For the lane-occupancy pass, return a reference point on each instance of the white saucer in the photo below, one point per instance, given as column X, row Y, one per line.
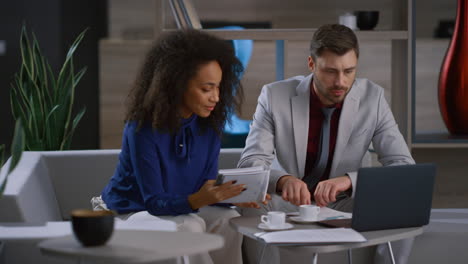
column 298, row 219
column 275, row 228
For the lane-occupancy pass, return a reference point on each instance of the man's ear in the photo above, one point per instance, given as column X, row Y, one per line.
column 311, row 63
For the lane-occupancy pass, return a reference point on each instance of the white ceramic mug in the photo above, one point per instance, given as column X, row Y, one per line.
column 309, row 212
column 348, row 20
column 274, row 219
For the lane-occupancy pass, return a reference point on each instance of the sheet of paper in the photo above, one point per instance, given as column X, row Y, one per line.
column 329, row 235
column 237, row 171
column 256, row 180
column 328, row 213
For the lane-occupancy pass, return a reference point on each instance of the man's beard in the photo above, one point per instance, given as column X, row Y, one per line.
column 325, row 92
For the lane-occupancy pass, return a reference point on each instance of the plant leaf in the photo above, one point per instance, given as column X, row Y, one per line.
column 70, row 54
column 16, row 108
column 2, row 161
column 2, row 187
column 42, row 101
column 78, row 76
column 69, row 134
column 17, row 146
column 78, row 118
column 2, row 155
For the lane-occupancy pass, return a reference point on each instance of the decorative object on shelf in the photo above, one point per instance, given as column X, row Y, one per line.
column 453, row 78
column 45, row 103
column 348, row 20
column 367, row 20
column 17, row 146
column 444, row 29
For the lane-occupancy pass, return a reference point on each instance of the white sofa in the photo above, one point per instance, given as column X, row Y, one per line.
column 46, row 186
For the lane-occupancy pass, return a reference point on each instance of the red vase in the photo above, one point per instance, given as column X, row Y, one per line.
column 453, row 79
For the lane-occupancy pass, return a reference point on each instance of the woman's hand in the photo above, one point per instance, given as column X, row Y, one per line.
column 254, row 204
column 211, row 194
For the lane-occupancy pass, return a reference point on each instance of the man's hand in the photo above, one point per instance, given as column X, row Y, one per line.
column 293, row 190
column 327, row 191
column 254, row 204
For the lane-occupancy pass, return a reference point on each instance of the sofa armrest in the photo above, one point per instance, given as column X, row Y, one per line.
column 29, row 195
column 78, row 175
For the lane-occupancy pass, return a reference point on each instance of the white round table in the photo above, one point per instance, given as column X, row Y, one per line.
column 134, row 246
column 248, row 226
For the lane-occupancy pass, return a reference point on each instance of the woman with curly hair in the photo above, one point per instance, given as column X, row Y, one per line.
column 171, row 140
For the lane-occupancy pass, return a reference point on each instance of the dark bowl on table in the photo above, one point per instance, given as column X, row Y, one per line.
column 92, row 228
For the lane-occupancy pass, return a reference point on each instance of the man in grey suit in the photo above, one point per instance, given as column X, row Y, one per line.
column 314, row 131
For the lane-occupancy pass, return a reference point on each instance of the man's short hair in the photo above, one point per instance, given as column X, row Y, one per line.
column 336, row 38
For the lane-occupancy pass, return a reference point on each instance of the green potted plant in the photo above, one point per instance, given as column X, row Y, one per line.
column 42, row 101
column 41, row 104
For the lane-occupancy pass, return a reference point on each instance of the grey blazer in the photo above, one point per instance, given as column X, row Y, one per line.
column 281, row 122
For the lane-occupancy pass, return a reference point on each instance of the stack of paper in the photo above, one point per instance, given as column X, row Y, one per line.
column 329, row 235
column 328, row 213
column 256, row 180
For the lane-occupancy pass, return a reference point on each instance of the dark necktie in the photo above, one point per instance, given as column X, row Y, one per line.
column 324, row 148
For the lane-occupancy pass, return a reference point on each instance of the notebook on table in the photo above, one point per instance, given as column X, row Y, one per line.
column 391, row 197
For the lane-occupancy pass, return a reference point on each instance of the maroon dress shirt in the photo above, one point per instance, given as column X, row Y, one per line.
column 315, row 127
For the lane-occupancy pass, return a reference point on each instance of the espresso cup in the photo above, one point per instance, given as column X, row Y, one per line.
column 309, row 212
column 274, row 219
column 92, row 228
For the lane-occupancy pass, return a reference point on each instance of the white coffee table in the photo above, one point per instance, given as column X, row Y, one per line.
column 248, row 226
column 134, row 246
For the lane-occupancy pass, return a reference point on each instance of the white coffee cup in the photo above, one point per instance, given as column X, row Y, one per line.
column 309, row 212
column 274, row 219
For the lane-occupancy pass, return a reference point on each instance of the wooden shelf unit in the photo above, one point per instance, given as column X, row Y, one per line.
column 402, row 58
column 302, row 34
column 439, row 140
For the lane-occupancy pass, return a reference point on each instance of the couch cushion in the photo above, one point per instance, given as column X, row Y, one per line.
column 77, row 176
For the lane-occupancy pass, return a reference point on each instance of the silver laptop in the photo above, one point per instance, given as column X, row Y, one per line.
column 391, row 197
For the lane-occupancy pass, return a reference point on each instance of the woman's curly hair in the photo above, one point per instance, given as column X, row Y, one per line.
column 171, row 62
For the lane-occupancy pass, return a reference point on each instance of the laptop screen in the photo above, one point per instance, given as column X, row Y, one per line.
column 393, row 197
